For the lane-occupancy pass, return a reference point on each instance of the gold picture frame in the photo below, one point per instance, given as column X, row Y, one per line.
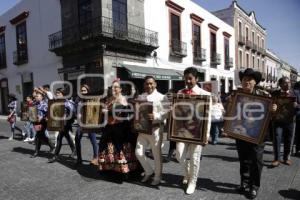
column 141, row 123
column 56, row 111
column 92, row 116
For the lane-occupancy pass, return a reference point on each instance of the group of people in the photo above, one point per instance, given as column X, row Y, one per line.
column 122, row 149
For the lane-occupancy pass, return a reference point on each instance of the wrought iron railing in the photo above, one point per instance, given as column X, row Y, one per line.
column 103, row 26
column 178, row 48
column 20, row 57
column 215, row 59
column 199, row 53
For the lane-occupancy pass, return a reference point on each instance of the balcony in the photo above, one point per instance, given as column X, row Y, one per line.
column 199, row 54
column 178, row 48
column 20, row 57
column 228, row 63
column 248, row 44
column 215, row 59
column 241, row 39
column 103, row 31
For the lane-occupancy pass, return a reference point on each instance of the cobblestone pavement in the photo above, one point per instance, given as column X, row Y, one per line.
column 28, row 178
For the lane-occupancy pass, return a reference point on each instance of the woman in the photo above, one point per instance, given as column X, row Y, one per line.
column 217, row 111
column 85, row 90
column 12, row 117
column 116, row 148
column 29, row 124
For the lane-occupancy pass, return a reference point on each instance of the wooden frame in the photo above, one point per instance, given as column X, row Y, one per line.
column 24, row 112
column 285, row 108
column 92, row 116
column 56, row 112
column 241, row 120
column 189, row 118
column 32, row 114
column 141, row 123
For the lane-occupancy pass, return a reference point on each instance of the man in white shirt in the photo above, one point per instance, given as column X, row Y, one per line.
column 155, row 139
column 187, row 154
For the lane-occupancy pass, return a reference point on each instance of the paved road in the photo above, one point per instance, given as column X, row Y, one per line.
column 22, row 177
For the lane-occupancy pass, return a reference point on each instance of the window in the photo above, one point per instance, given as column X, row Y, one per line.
column 2, row 51
column 119, row 15
column 262, row 43
column 175, row 27
column 196, row 39
column 213, row 46
column 226, row 50
column 247, row 34
column 258, row 41
column 21, row 43
column 253, row 62
column 258, row 64
column 247, row 60
column 241, row 59
column 84, row 11
column 253, row 39
column 240, row 29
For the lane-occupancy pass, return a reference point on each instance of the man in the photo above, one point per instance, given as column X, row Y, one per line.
column 284, row 128
column 189, row 155
column 297, row 132
column 251, row 155
column 155, row 139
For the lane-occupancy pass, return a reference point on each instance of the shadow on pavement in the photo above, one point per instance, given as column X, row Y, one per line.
column 290, row 194
column 31, row 152
column 225, row 158
column 3, row 137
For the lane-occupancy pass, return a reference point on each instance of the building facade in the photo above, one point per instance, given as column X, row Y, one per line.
column 25, row 61
column 188, row 35
column 273, row 65
column 97, row 37
column 250, row 40
column 285, row 69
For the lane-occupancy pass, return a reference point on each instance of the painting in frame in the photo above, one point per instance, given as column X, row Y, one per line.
column 247, row 117
column 24, row 112
column 141, row 123
column 32, row 114
column 56, row 110
column 285, row 108
column 92, row 116
column 189, row 119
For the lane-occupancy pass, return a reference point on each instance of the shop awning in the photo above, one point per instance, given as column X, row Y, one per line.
column 140, row 72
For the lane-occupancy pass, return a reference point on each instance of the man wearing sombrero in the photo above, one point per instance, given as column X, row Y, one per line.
column 251, row 155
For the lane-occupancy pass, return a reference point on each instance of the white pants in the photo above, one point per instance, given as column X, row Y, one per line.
column 188, row 155
column 155, row 141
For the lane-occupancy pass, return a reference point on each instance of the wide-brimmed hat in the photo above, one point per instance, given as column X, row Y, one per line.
column 250, row 72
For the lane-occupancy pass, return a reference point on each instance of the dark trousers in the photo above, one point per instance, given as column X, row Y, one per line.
column 61, row 134
column 251, row 162
column 285, row 131
column 93, row 140
column 40, row 138
column 297, row 135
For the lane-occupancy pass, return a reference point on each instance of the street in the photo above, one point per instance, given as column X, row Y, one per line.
column 28, row 178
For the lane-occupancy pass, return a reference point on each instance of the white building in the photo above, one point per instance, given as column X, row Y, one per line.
column 285, row 70
column 188, row 36
column 272, row 67
column 24, row 57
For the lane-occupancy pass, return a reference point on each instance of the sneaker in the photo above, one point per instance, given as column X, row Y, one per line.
column 191, row 188
column 31, row 140
column 27, row 139
column 185, row 180
column 10, row 138
column 287, row 162
column 23, row 134
column 275, row 163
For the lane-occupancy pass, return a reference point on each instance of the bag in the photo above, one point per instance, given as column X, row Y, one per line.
column 11, row 119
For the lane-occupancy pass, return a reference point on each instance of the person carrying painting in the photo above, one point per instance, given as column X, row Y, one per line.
column 84, row 90
column 29, row 124
column 12, row 116
column 250, row 155
column 69, row 119
column 41, row 125
column 154, row 140
column 187, row 154
column 284, row 127
column 217, row 112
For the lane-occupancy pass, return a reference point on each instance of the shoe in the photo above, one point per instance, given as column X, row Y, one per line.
column 23, row 134
column 53, row 159
column 10, row 138
column 34, row 155
column 94, row 162
column 146, row 178
column 155, row 182
column 275, row 163
column 185, row 180
column 191, row 188
column 287, row 162
column 31, row 140
column 242, row 188
column 27, row 139
column 253, row 193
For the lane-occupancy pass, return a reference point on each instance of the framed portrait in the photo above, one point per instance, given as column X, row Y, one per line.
column 32, row 114
column 141, row 123
column 189, row 119
column 210, row 86
column 56, row 110
column 92, row 116
column 285, row 108
column 247, row 117
column 24, row 112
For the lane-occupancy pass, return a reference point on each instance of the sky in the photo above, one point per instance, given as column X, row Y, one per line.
column 281, row 18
